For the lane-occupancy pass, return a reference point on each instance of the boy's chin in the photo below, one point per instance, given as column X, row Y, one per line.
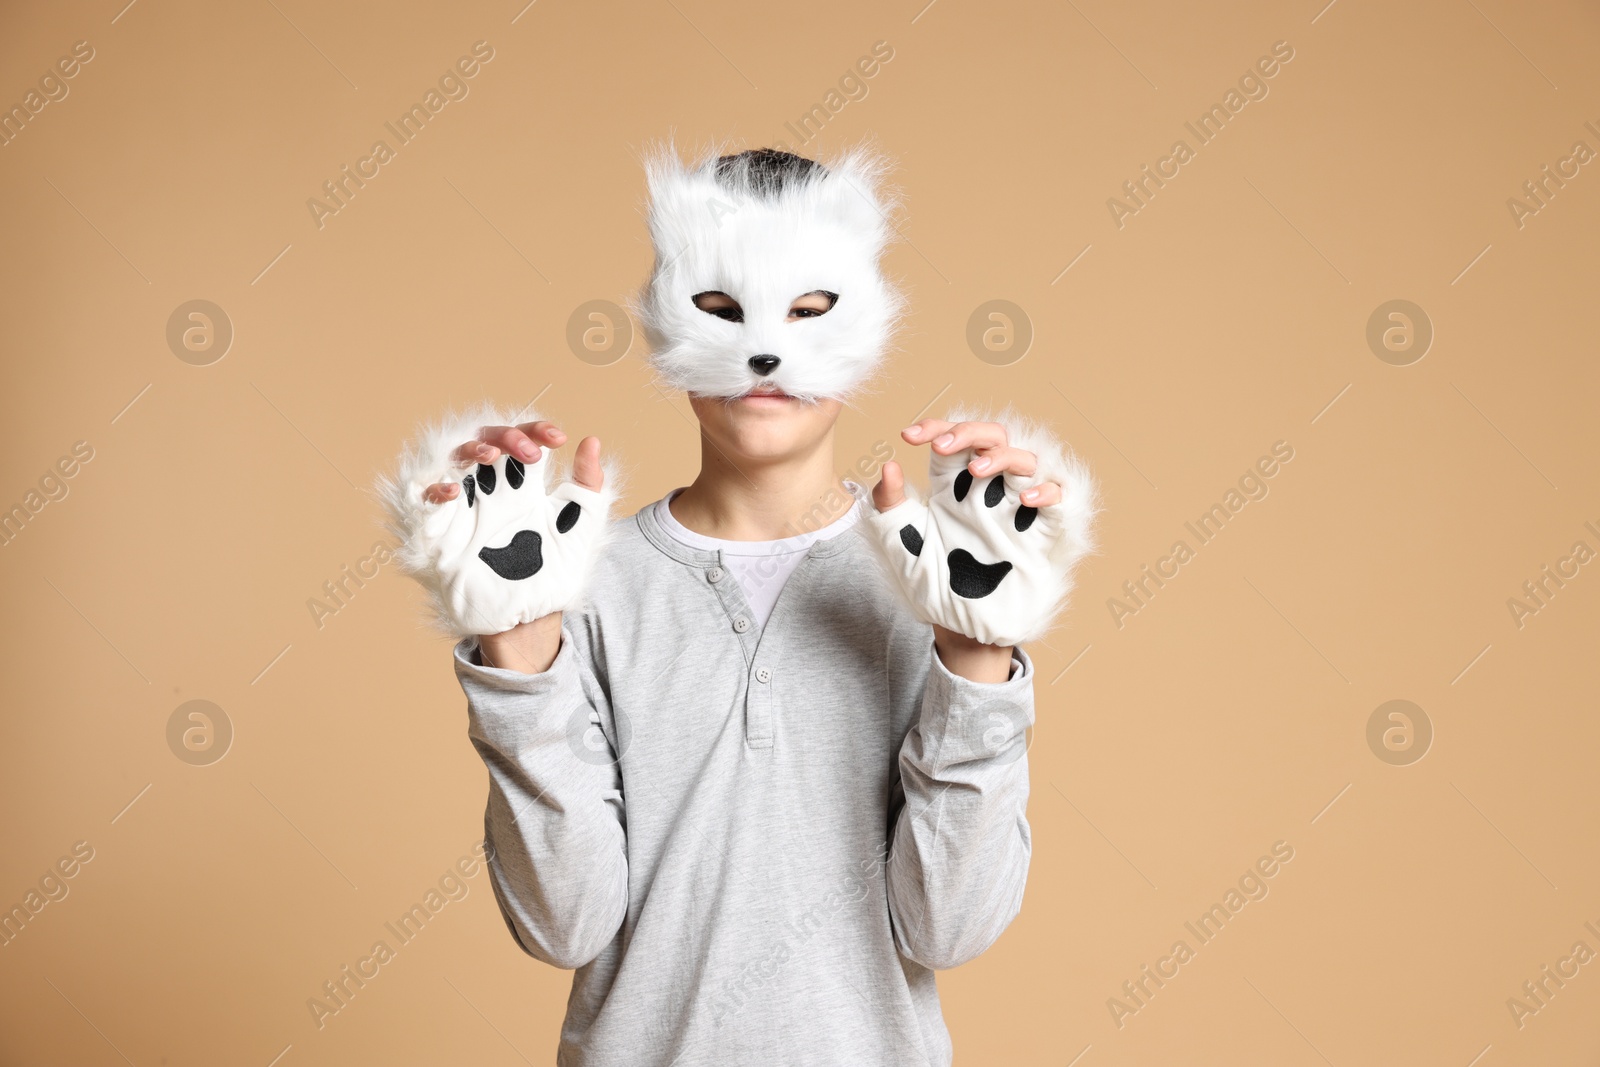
column 767, row 426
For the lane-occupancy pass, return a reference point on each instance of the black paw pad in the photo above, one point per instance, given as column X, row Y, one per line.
column 974, row 580
column 486, row 478
column 963, row 483
column 568, row 517
column 1025, row 517
column 912, row 539
column 514, row 472
column 520, row 559
column 470, row 484
column 995, row 493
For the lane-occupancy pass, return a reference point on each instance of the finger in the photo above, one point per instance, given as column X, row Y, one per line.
column 586, row 469
column 924, row 430
column 544, row 432
column 439, row 492
column 512, row 441
column 959, row 435
column 1042, row 495
column 1018, row 461
column 493, row 440
column 475, row 451
column 891, row 488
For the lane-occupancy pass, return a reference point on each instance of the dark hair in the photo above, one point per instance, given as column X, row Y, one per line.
column 765, row 172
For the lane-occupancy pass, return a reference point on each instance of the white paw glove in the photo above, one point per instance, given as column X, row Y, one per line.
column 515, row 544
column 974, row 558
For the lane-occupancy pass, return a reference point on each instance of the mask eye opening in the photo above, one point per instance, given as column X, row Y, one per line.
column 796, row 311
column 715, row 302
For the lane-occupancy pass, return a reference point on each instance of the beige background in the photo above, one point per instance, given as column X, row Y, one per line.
column 1228, row 314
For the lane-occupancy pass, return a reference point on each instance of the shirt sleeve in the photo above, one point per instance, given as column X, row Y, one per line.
column 958, row 857
column 555, row 822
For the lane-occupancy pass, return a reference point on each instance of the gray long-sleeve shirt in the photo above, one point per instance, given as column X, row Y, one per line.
column 753, row 847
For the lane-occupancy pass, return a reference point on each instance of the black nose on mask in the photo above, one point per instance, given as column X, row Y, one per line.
column 764, row 365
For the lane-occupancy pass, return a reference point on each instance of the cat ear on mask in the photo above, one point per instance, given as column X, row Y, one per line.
column 855, row 195
column 687, row 200
column 682, row 200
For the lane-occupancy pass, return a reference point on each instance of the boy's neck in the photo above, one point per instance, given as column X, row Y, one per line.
column 741, row 499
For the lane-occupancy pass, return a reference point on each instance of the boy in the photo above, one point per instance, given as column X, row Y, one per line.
column 754, row 789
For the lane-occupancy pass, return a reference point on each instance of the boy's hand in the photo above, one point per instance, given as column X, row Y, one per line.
column 990, row 555
column 489, row 527
column 991, row 455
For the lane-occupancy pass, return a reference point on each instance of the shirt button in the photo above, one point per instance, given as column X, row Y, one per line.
column 714, row 575
column 763, row 674
column 741, row 624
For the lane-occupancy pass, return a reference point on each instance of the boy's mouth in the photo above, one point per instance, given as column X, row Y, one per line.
column 766, row 395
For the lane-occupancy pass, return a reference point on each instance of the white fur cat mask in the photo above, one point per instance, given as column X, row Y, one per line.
column 767, row 227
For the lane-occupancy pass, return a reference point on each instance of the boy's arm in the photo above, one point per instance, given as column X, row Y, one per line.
column 958, row 858
column 555, row 818
column 504, row 545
